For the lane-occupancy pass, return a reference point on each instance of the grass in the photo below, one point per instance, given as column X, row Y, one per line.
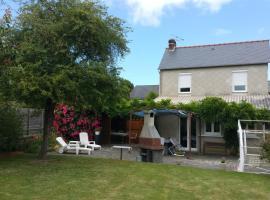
column 70, row 177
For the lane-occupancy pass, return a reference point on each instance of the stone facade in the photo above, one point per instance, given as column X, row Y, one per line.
column 215, row 81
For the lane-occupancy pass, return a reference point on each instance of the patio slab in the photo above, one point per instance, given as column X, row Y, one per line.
column 195, row 160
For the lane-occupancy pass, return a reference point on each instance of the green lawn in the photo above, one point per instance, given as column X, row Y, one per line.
column 66, row 177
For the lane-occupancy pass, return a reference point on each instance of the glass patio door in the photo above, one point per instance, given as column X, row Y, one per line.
column 183, row 134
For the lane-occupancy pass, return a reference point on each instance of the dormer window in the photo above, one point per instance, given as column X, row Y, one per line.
column 239, row 81
column 184, row 83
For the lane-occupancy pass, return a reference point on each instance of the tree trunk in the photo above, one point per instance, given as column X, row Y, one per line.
column 48, row 116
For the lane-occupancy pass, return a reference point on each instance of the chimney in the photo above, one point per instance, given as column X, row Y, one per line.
column 172, row 44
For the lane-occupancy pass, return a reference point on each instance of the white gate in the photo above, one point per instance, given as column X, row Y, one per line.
column 250, row 146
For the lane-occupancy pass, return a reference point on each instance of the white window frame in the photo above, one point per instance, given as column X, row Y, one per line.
column 179, row 84
column 212, row 133
column 246, row 85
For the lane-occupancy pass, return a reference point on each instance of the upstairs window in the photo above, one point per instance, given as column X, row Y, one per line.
column 239, row 81
column 184, row 83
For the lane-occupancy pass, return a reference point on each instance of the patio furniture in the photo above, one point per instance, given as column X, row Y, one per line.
column 176, row 149
column 121, row 149
column 133, row 136
column 71, row 146
column 134, row 128
column 123, row 136
column 86, row 143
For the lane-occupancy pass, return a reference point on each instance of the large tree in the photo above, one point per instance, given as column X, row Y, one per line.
column 62, row 51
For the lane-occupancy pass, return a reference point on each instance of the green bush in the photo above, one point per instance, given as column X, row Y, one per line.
column 11, row 128
column 266, row 150
column 52, row 141
column 210, row 109
column 32, row 144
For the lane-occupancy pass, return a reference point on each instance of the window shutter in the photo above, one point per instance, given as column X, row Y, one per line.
column 184, row 81
column 239, row 81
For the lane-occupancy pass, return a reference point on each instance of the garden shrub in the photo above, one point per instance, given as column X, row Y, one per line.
column 32, row 144
column 229, row 122
column 11, row 128
column 52, row 141
column 210, row 109
column 68, row 122
column 266, row 150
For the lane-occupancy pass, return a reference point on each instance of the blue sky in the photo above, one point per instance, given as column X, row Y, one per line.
column 196, row 21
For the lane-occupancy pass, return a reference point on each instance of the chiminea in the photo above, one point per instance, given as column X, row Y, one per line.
column 150, row 140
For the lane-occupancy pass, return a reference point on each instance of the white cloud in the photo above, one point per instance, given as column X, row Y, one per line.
column 149, row 12
column 222, row 31
column 212, row 5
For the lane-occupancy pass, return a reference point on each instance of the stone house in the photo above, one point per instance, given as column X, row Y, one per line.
column 233, row 71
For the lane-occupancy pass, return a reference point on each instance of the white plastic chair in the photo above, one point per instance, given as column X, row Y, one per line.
column 71, row 146
column 86, row 143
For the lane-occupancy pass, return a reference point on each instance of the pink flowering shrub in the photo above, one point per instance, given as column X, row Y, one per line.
column 68, row 123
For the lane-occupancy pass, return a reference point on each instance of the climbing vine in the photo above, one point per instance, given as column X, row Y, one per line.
column 210, row 109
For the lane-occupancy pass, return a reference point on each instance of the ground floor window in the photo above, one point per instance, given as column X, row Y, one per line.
column 212, row 129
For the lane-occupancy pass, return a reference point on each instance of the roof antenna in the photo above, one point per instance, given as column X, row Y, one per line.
column 177, row 38
column 172, row 43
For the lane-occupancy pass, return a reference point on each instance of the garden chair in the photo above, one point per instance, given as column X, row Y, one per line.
column 71, row 146
column 86, row 143
column 176, row 149
column 132, row 135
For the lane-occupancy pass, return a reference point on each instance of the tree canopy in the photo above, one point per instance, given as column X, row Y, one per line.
column 63, row 51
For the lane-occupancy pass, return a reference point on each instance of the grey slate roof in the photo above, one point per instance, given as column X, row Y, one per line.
column 227, row 54
column 141, row 91
column 259, row 101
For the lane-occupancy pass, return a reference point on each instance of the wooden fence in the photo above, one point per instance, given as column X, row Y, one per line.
column 32, row 121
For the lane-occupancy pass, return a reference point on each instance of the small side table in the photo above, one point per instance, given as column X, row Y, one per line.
column 121, row 149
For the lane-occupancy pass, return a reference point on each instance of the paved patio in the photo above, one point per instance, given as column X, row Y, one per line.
column 195, row 160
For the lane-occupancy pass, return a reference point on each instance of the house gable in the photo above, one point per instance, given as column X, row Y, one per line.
column 216, row 55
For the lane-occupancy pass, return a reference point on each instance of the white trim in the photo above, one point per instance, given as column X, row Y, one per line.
column 239, row 71
column 197, row 137
column 212, row 133
column 192, row 149
column 242, row 91
column 218, row 135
